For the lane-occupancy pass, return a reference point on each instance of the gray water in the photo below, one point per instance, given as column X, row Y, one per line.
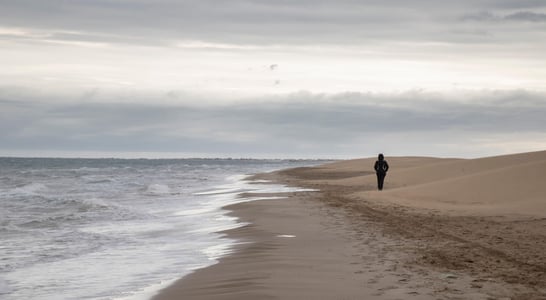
column 113, row 228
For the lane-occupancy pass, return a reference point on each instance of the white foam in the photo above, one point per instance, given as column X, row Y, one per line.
column 217, row 251
column 148, row 292
column 228, row 190
column 158, row 189
column 194, row 211
column 261, row 181
column 29, row 189
column 96, row 202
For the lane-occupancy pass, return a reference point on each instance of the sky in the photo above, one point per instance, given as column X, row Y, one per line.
column 272, row 79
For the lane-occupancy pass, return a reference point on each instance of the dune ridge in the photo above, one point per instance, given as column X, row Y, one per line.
column 508, row 185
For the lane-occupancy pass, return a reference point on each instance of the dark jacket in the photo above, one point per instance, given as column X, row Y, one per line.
column 381, row 167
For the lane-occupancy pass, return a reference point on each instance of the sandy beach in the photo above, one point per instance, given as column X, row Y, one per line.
column 441, row 229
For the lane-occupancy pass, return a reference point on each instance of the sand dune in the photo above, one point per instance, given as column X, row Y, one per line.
column 507, row 185
column 500, row 185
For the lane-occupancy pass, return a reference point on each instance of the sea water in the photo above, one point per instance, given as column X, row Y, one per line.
column 115, row 228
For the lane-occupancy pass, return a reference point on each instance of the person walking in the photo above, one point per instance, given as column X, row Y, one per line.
column 381, row 167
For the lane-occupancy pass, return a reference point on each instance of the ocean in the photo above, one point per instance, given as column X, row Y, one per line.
column 117, row 228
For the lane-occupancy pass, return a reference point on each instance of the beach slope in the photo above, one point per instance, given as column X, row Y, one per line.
column 442, row 229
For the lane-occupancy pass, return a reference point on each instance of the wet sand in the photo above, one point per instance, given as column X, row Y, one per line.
column 410, row 241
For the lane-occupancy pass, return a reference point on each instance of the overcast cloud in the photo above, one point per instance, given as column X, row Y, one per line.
column 296, row 125
column 196, row 77
column 271, row 22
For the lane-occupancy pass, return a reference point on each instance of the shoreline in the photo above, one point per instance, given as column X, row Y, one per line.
column 335, row 245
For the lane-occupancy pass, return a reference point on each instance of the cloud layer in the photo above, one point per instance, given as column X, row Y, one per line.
column 270, row 22
column 296, row 125
column 221, row 78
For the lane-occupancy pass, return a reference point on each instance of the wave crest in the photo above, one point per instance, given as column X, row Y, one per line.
column 157, row 189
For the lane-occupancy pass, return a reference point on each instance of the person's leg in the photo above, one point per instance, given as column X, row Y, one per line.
column 380, row 180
